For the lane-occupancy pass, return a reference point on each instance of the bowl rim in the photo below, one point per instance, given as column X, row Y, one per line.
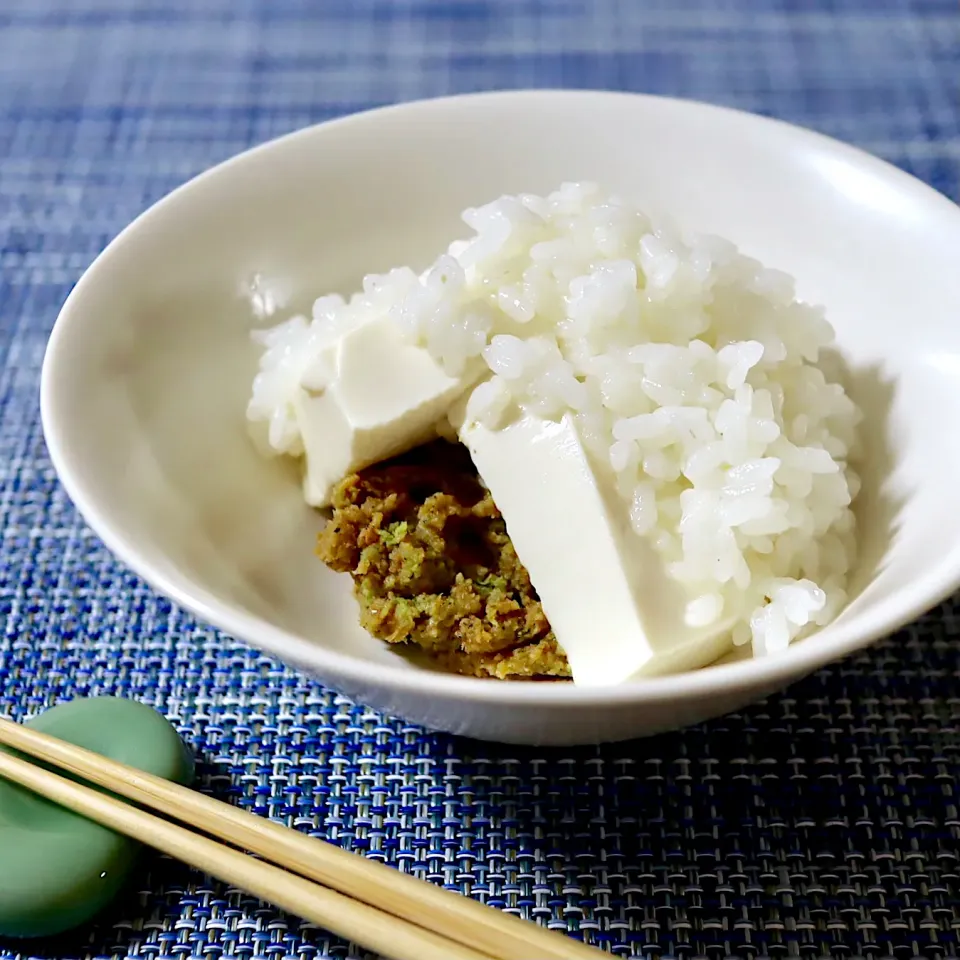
column 761, row 672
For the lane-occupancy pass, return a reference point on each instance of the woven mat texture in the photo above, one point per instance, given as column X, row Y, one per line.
column 823, row 823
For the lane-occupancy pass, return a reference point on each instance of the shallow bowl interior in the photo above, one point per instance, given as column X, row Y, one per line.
column 148, row 369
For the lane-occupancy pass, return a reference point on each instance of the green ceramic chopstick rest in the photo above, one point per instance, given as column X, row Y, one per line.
column 57, row 869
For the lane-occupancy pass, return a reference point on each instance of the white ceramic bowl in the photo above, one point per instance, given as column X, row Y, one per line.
column 147, row 372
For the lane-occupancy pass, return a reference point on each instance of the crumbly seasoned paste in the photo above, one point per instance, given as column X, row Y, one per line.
column 432, row 565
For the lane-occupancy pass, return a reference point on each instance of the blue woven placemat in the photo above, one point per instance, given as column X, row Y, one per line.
column 824, row 823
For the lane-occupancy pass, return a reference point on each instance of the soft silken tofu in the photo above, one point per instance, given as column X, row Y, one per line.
column 367, row 397
column 612, row 605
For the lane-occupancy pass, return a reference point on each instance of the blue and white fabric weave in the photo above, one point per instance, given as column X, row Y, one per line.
column 823, row 823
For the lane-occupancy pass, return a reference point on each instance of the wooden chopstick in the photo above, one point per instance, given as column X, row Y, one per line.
column 457, row 918
column 388, row 935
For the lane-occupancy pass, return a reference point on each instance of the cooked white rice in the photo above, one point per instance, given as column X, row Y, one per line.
column 692, row 372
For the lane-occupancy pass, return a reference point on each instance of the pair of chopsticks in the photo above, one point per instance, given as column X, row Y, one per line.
column 373, row 905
